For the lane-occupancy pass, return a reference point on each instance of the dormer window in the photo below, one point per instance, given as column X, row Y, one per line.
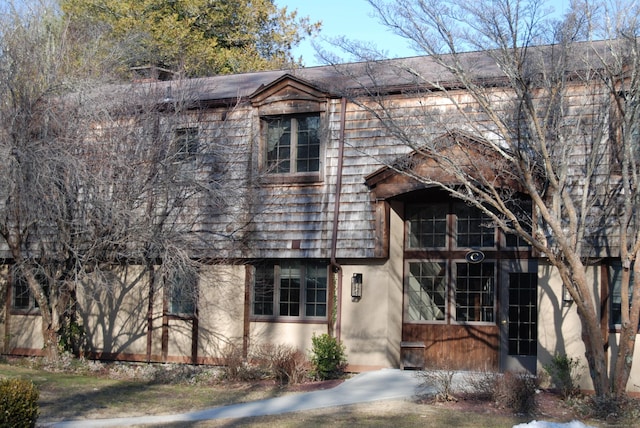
column 292, row 130
column 293, row 144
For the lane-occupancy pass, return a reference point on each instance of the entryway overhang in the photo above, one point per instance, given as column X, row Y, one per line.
column 459, row 157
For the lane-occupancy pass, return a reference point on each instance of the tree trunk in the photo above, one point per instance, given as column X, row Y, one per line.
column 628, row 333
column 594, row 344
column 50, row 336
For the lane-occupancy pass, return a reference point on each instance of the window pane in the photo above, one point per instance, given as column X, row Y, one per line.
column 316, row 291
column 22, row 298
column 183, row 292
column 523, row 314
column 427, row 291
column 279, row 145
column 474, row 228
column 475, row 292
column 21, row 294
column 615, row 274
column 523, row 210
column 308, row 144
column 263, row 290
column 186, row 143
column 289, row 290
column 427, row 225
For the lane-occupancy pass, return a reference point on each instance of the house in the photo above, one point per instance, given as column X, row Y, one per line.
column 331, row 234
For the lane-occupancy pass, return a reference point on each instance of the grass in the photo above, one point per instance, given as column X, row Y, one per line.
column 87, row 395
column 391, row 413
column 99, row 394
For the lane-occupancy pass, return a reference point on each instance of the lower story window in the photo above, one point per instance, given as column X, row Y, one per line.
column 290, row 289
column 465, row 294
column 615, row 289
column 182, row 292
column 22, row 299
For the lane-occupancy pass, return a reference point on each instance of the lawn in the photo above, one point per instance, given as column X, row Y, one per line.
column 128, row 390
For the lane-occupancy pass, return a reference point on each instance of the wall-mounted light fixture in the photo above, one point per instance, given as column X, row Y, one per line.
column 566, row 296
column 356, row 286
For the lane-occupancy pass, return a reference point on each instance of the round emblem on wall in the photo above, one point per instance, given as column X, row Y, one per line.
column 475, row 256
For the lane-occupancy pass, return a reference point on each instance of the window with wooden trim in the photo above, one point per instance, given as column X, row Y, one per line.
column 615, row 293
column 182, row 292
column 22, row 299
column 186, row 142
column 291, row 289
column 292, row 144
column 443, row 283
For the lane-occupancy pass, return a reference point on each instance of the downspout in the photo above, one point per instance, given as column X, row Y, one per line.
column 335, row 266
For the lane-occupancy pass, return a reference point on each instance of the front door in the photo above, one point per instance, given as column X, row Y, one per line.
column 518, row 316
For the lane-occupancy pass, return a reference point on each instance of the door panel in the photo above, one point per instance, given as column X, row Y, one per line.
column 519, row 317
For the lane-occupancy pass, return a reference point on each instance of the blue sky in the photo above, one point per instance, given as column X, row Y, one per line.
column 350, row 18
column 353, row 19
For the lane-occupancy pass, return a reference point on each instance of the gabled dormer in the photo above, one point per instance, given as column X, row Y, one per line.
column 293, row 133
column 288, row 95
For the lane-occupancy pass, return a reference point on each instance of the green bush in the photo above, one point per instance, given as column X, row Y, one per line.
column 564, row 372
column 18, row 403
column 328, row 357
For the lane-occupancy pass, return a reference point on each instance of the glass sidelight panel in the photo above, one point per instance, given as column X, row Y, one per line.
column 427, row 291
column 523, row 314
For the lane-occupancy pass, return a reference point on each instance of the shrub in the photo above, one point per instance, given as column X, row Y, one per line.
column 442, row 381
column 517, row 391
column 72, row 338
column 286, row 364
column 18, row 403
column 328, row 357
column 483, row 385
column 614, row 410
column 564, row 373
column 238, row 368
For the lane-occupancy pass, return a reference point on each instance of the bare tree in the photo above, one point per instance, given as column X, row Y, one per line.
column 544, row 107
column 97, row 177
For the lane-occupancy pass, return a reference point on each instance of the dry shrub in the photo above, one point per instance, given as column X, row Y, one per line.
column 483, row 385
column 618, row 410
column 442, row 381
column 517, row 391
column 237, row 368
column 512, row 390
column 288, row 365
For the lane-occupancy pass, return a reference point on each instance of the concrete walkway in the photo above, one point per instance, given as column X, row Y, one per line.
column 386, row 384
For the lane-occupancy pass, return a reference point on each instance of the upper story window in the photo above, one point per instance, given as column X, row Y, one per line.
column 186, row 143
column 293, row 144
column 292, row 116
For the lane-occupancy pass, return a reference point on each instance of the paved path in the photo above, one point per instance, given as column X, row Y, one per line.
column 386, row 384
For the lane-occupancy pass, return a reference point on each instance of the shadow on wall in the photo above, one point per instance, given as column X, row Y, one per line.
column 113, row 307
column 559, row 329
